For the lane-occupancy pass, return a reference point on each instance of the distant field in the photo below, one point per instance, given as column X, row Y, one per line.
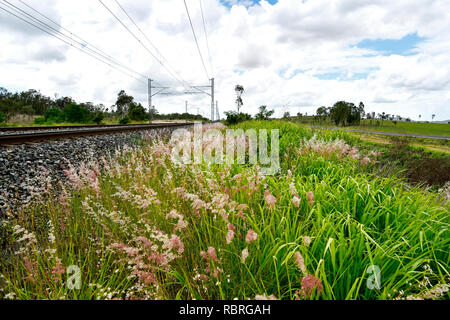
column 431, row 145
column 437, row 129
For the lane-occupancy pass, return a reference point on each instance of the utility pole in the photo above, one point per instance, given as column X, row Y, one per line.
column 150, row 113
column 217, row 111
column 212, row 99
column 186, row 107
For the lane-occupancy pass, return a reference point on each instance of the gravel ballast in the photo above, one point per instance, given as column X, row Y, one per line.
column 24, row 167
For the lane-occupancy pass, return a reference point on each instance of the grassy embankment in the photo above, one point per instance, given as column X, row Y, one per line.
column 142, row 227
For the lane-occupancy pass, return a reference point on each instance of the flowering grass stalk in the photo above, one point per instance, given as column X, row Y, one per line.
column 140, row 226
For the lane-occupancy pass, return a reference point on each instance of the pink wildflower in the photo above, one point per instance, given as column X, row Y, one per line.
column 265, row 297
column 310, row 197
column 251, row 236
column 306, row 241
column 296, row 201
column 366, row 160
column 175, row 243
column 204, row 255
column 292, row 188
column 212, row 254
column 31, row 269
column 244, row 255
column 230, row 236
column 300, row 262
column 270, row 199
column 147, row 243
column 309, row 283
column 241, row 207
column 198, row 204
column 216, row 272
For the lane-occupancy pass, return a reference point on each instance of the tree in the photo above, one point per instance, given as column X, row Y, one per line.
column 53, row 115
column 322, row 113
column 76, row 114
column 61, row 103
column 346, row 113
column 264, row 114
column 239, row 91
column 123, row 102
column 286, row 115
column 28, row 110
column 433, row 116
column 340, row 112
column 9, row 107
column 234, row 118
column 361, row 110
column 136, row 112
column 2, row 118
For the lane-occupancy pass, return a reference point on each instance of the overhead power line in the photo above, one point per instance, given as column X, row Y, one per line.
column 84, row 43
column 206, row 37
column 196, row 41
column 151, row 43
column 42, row 28
column 141, row 43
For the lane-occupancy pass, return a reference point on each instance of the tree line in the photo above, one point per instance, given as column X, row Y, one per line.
column 65, row 109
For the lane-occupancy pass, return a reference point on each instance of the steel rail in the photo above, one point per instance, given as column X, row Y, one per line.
column 44, row 136
column 38, row 128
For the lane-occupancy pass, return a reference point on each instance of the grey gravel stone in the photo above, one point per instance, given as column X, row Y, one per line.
column 22, row 166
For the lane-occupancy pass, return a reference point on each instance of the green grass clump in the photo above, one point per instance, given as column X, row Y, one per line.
column 144, row 227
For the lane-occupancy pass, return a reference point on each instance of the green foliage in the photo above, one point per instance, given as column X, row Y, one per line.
column 9, row 107
column 40, row 121
column 2, row 118
column 180, row 116
column 137, row 112
column 113, row 224
column 124, row 120
column 264, row 114
column 76, row 114
column 54, row 115
column 234, row 118
column 98, row 117
column 123, row 102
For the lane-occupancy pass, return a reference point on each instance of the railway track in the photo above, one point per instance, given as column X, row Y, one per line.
column 64, row 132
column 90, row 126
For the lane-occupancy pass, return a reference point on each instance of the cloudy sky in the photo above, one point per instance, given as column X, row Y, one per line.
column 291, row 55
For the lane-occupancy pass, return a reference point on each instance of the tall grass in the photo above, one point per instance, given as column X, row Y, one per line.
column 144, row 228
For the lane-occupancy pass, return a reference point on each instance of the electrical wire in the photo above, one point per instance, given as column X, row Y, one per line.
column 206, row 37
column 195, row 38
column 68, row 43
column 140, row 42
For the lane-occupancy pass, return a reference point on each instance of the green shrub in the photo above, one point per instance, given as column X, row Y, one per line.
column 76, row 113
column 53, row 115
column 234, row 118
column 137, row 112
column 40, row 120
column 125, row 120
column 98, row 117
column 2, row 118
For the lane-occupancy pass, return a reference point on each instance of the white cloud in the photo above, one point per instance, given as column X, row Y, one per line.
column 275, row 51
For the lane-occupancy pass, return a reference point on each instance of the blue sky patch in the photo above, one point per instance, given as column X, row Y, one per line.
column 342, row 76
column 229, row 3
column 405, row 46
